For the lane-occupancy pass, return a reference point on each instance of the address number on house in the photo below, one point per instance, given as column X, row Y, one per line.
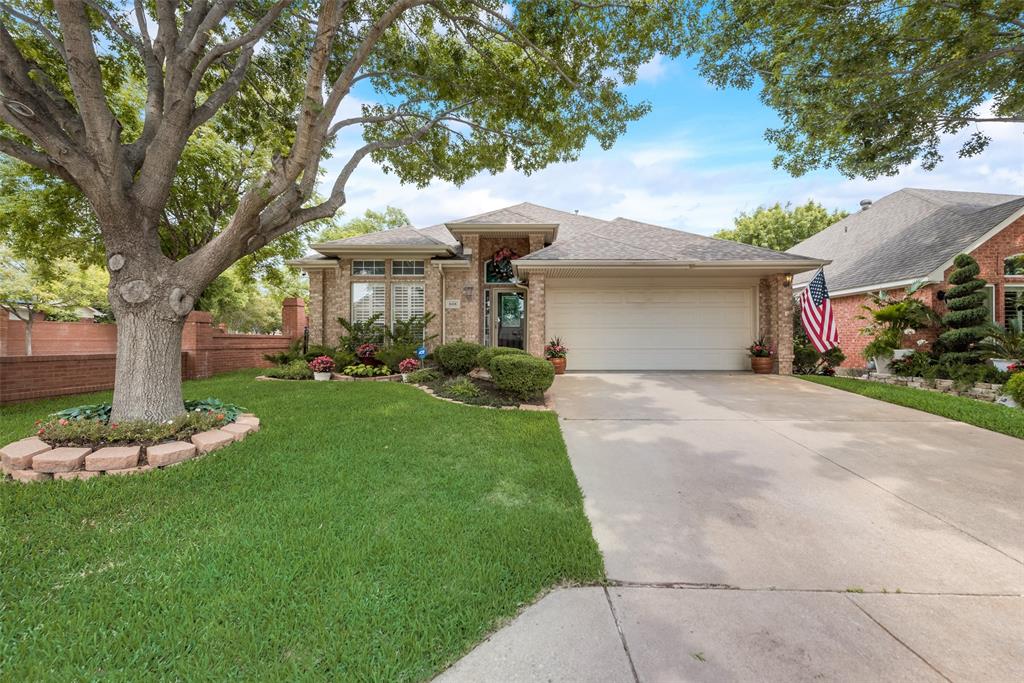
column 452, row 303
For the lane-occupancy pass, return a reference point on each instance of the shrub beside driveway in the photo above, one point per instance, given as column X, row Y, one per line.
column 367, row 532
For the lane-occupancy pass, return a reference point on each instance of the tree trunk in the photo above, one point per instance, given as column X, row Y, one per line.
column 147, row 383
column 28, row 334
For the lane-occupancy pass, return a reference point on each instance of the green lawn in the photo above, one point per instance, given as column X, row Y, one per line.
column 978, row 413
column 367, row 532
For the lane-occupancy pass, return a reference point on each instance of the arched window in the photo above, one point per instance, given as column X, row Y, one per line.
column 1013, row 265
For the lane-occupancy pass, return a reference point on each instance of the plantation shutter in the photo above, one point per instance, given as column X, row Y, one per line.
column 406, row 301
column 367, row 300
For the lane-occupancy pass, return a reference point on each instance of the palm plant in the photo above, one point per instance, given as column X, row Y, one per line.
column 1005, row 344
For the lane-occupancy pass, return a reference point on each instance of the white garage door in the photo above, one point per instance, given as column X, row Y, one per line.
column 652, row 324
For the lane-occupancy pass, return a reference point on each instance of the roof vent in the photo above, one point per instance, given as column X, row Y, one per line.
column 865, row 204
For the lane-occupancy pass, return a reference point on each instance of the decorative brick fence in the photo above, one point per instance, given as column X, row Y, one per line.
column 75, row 358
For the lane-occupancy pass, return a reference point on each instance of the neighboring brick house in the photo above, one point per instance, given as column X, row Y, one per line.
column 912, row 236
column 622, row 295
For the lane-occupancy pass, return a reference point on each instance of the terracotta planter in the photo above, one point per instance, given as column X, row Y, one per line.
column 762, row 365
column 559, row 364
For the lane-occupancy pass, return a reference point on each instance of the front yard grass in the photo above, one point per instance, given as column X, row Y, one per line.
column 367, row 532
column 990, row 416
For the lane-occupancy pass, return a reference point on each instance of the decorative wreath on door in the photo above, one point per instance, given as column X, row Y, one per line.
column 499, row 268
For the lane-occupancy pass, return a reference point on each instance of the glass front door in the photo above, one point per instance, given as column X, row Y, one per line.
column 509, row 319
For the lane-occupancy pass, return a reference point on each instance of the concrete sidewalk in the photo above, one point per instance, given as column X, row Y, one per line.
column 765, row 528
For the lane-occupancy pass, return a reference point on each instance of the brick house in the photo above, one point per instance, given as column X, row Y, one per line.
column 622, row 295
column 912, row 236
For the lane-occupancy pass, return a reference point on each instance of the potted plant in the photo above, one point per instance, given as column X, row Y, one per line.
column 406, row 366
column 892, row 320
column 322, row 367
column 1003, row 348
column 555, row 351
column 761, row 357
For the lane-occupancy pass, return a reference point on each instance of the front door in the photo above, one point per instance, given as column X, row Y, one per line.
column 508, row 322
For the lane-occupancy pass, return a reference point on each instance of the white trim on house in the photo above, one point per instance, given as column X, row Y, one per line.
column 897, row 284
column 549, row 230
column 938, row 275
column 397, row 251
column 791, row 266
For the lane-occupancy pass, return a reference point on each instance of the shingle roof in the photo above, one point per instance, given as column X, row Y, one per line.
column 585, row 238
column 406, row 236
column 905, row 235
column 657, row 243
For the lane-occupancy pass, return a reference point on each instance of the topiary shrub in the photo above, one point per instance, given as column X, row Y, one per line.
column 484, row 358
column 966, row 322
column 522, row 375
column 461, row 388
column 1014, row 388
column 457, row 357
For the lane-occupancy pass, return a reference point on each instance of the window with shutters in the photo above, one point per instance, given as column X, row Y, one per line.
column 367, row 267
column 367, row 301
column 407, row 267
column 406, row 302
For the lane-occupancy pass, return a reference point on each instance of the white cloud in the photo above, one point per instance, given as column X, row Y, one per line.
column 689, row 181
column 653, row 71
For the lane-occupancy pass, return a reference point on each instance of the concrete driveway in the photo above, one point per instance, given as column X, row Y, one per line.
column 766, row 528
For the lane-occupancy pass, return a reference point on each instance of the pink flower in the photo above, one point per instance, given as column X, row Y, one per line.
column 409, row 365
column 63, row 421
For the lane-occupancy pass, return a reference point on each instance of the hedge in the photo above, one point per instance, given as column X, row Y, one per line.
column 457, row 357
column 484, row 358
column 522, row 375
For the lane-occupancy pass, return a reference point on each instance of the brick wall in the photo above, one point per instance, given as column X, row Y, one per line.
column 50, row 338
column 989, row 256
column 206, row 351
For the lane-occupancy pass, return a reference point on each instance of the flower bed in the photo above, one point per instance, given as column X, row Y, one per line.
column 81, row 443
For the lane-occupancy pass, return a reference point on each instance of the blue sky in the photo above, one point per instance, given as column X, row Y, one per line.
column 694, row 163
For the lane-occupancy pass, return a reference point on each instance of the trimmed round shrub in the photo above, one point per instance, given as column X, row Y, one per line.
column 484, row 358
column 457, row 357
column 524, row 376
column 1014, row 388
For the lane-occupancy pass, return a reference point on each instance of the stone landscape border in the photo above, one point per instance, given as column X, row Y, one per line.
column 982, row 391
column 32, row 459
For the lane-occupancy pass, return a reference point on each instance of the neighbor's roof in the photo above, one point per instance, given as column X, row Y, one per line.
column 584, row 238
column 904, row 236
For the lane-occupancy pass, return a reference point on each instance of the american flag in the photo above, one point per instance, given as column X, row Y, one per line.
column 816, row 314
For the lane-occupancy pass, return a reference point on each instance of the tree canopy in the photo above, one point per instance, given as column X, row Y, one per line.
column 370, row 221
column 781, row 227
column 868, row 86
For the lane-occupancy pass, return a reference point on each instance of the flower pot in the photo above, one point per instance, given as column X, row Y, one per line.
column 762, row 365
column 1002, row 364
column 882, row 365
column 405, row 376
column 902, row 353
column 559, row 364
column 321, row 376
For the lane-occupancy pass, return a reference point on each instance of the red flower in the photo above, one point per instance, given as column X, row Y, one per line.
column 408, row 365
column 41, row 432
column 113, row 425
column 63, row 421
column 220, row 416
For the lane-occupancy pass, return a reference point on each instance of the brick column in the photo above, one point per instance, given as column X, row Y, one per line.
column 196, row 342
column 433, row 300
column 337, row 293
column 535, row 310
column 536, row 241
column 293, row 317
column 780, row 322
column 316, row 306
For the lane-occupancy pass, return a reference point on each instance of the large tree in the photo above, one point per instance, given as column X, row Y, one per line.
column 454, row 87
column 780, row 227
column 370, row 221
column 867, row 86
